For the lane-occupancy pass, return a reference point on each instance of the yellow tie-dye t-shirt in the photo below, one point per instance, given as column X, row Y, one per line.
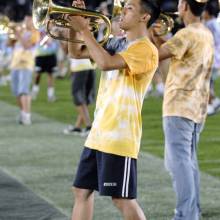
column 187, row 84
column 24, row 58
column 117, row 125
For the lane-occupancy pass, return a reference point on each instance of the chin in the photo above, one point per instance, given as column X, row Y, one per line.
column 123, row 26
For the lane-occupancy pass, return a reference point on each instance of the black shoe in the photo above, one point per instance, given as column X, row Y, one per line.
column 72, row 130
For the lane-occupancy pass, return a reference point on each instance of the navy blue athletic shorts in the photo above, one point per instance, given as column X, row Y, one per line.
column 110, row 174
column 46, row 64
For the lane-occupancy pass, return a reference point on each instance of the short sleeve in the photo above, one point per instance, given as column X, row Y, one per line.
column 141, row 58
column 178, row 44
column 115, row 45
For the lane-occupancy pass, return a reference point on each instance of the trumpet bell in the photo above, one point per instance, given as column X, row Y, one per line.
column 40, row 13
column 50, row 15
column 166, row 24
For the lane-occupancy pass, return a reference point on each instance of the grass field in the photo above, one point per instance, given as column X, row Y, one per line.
column 63, row 110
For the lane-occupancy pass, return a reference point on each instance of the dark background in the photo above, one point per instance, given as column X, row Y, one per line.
column 17, row 9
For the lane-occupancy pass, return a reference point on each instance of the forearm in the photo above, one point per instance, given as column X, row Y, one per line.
column 158, row 41
column 164, row 53
column 101, row 57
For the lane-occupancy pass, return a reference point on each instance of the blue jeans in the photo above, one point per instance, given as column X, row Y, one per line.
column 181, row 139
column 21, row 82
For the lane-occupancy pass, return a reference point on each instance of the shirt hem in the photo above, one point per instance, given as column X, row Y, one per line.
column 108, row 151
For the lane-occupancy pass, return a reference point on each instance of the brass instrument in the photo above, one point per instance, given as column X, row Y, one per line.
column 118, row 6
column 43, row 10
column 7, row 27
column 166, row 23
column 4, row 23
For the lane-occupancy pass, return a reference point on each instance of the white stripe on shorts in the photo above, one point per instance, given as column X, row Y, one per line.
column 126, row 178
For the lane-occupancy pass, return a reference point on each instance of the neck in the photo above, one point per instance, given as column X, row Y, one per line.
column 190, row 19
column 136, row 33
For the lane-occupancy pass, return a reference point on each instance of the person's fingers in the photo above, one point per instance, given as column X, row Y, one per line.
column 74, row 3
column 79, row 4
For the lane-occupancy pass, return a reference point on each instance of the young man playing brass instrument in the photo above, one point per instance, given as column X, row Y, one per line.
column 108, row 161
column 185, row 104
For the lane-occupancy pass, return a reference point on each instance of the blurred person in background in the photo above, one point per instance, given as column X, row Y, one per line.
column 6, row 53
column 185, row 102
column 210, row 18
column 156, row 89
column 45, row 62
column 83, row 93
column 22, row 65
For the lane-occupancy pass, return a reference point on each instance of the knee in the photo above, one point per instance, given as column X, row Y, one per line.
column 82, row 194
column 129, row 208
column 118, row 203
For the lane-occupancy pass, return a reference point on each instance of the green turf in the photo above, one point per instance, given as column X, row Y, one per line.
column 45, row 161
column 152, row 141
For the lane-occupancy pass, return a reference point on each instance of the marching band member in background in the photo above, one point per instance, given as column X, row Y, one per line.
column 108, row 161
column 185, row 104
column 6, row 51
column 22, row 66
column 83, row 93
column 210, row 18
column 45, row 62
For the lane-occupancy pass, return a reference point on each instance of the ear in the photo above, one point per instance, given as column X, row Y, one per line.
column 185, row 6
column 145, row 17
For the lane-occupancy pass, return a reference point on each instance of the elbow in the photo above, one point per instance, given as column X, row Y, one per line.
column 103, row 65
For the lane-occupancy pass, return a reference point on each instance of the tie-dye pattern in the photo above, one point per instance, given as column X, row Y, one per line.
column 187, row 85
column 117, row 126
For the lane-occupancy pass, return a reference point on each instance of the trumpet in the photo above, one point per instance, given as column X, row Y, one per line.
column 166, row 23
column 43, row 10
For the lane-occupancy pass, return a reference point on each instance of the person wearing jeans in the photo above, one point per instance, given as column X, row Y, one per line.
column 185, row 102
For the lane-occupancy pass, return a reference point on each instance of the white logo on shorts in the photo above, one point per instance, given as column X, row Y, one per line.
column 110, row 184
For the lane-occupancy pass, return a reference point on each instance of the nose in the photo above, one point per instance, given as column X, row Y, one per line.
column 123, row 12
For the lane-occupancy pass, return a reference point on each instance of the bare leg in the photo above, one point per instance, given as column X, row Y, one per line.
column 79, row 121
column 37, row 79
column 84, row 114
column 50, row 81
column 84, row 202
column 50, row 88
column 36, row 88
column 129, row 209
column 19, row 102
column 25, row 101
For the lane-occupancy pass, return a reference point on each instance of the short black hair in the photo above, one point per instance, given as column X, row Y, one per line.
column 212, row 7
column 152, row 7
column 196, row 7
